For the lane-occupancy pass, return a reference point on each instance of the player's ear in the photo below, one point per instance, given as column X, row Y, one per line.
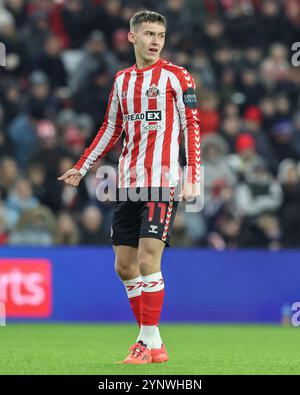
column 131, row 37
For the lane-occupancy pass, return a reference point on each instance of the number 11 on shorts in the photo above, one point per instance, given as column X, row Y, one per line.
column 161, row 206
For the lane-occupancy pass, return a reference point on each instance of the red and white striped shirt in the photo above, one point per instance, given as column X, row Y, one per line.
column 152, row 105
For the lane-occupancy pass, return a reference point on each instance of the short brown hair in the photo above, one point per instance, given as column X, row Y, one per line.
column 147, row 16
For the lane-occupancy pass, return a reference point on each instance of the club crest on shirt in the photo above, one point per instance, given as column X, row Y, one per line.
column 152, row 92
column 124, row 94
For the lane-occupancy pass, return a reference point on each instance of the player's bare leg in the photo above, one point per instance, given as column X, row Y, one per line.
column 134, row 267
column 149, row 255
column 126, row 263
column 149, row 260
column 126, row 266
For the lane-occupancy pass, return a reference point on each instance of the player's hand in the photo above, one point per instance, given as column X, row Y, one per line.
column 71, row 177
column 189, row 192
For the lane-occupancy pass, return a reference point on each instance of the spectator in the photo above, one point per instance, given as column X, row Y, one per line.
column 91, row 230
column 50, row 62
column 4, row 230
column 17, row 8
column 200, row 65
column 95, row 56
column 216, row 168
column 264, row 232
column 282, row 139
column 75, row 18
column 212, row 34
column 17, row 59
column 122, row 48
column 66, row 230
column 50, row 152
column 230, row 130
column 40, row 102
column 11, row 101
column 35, row 228
column 296, row 126
column 288, row 176
column 292, row 14
column 259, row 194
column 34, row 34
column 60, row 196
column 22, row 133
column 252, row 124
column 252, row 56
column 20, row 200
column 110, row 18
column 250, row 86
column 209, row 114
column 271, row 22
column 9, row 175
column 245, row 157
column 227, row 234
column 36, row 175
column 177, row 15
column 93, row 97
column 268, row 111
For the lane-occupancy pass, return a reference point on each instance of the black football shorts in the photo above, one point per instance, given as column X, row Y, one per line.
column 151, row 214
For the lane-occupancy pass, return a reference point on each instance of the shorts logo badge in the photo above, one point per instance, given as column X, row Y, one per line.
column 152, row 92
column 153, row 229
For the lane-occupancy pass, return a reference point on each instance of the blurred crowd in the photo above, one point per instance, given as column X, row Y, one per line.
column 61, row 57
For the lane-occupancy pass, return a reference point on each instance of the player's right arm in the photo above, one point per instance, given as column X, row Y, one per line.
column 105, row 139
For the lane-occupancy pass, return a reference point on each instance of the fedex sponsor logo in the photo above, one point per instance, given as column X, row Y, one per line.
column 26, row 287
column 150, row 115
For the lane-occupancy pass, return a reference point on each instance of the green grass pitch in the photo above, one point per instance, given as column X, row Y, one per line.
column 193, row 349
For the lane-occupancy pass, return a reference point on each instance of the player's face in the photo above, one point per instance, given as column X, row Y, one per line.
column 148, row 40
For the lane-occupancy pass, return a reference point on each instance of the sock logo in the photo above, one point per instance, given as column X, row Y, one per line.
column 152, row 284
column 134, row 286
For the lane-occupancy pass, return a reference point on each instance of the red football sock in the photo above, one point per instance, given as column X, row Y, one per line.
column 135, row 303
column 152, row 299
column 134, row 289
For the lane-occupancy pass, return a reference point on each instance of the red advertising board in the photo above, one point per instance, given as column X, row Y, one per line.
column 26, row 287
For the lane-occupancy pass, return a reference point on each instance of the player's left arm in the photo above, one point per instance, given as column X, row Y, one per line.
column 187, row 106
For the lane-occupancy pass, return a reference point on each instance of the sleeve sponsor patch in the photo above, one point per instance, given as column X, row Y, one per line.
column 189, row 98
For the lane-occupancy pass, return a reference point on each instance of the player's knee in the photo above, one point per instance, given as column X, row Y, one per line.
column 125, row 271
column 121, row 269
column 147, row 261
